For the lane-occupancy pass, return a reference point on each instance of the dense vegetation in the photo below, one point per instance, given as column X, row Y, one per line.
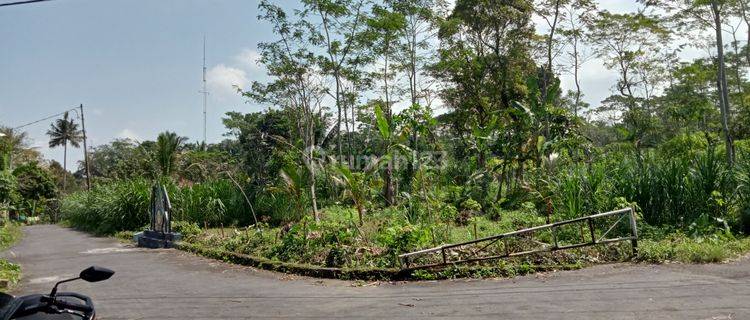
column 9, row 272
column 400, row 125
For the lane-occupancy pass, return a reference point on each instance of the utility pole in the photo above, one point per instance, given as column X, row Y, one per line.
column 85, row 151
column 205, row 94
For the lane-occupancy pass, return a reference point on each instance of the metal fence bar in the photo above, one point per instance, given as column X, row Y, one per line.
column 407, row 258
column 633, row 232
column 518, row 232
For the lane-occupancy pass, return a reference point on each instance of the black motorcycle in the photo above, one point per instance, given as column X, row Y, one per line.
column 56, row 305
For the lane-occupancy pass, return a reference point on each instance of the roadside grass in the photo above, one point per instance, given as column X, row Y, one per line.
column 675, row 248
column 9, row 234
column 681, row 248
column 371, row 249
column 10, row 273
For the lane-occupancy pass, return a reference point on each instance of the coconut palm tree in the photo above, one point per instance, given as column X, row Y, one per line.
column 166, row 151
column 61, row 133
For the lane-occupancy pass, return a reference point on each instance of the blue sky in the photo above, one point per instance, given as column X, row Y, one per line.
column 136, row 65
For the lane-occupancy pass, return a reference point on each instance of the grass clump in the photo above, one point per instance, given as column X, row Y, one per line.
column 679, row 247
column 10, row 273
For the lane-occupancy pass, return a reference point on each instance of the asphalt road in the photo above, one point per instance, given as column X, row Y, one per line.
column 169, row 284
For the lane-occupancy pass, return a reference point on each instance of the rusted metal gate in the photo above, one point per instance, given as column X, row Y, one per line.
column 600, row 228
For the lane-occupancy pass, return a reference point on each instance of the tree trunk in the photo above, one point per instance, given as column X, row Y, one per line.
column 361, row 213
column 550, row 41
column 746, row 18
column 575, row 76
column 388, row 192
column 722, row 82
column 65, row 166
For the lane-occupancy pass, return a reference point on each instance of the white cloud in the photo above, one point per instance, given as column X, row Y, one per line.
column 128, row 134
column 249, row 59
column 222, row 80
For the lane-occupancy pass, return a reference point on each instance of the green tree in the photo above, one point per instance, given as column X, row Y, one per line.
column 485, row 62
column 630, row 44
column 8, row 189
column 61, row 133
column 34, row 184
column 355, row 188
column 385, row 27
column 15, row 148
column 415, row 52
column 578, row 16
column 121, row 159
column 165, row 153
column 259, row 135
column 340, row 23
column 294, row 85
column 702, row 15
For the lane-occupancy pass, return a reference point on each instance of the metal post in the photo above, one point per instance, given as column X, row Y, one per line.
column 445, row 260
column 591, row 228
column 554, row 236
column 85, row 151
column 633, row 232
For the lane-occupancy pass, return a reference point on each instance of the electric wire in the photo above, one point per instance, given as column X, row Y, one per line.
column 46, row 118
column 21, row 2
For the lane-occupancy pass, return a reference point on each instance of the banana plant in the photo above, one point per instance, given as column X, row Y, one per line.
column 393, row 145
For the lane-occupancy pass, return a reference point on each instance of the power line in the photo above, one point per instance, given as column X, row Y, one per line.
column 46, row 118
column 21, row 2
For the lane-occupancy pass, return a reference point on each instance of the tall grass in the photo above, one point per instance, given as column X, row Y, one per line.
column 582, row 190
column 742, row 192
column 109, row 208
column 124, row 205
column 676, row 191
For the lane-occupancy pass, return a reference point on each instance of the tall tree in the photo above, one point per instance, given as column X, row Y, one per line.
column 701, row 15
column 63, row 132
column 414, row 53
column 552, row 12
column 717, row 13
column 485, row 62
column 486, row 65
column 340, row 23
column 629, row 43
column 294, row 85
column 579, row 16
column 385, row 29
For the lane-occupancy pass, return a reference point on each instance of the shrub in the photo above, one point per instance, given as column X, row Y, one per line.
column 189, row 230
column 679, row 247
column 125, row 205
column 8, row 188
column 109, row 208
column 404, row 238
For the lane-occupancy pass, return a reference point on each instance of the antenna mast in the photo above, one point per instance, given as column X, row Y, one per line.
column 205, row 93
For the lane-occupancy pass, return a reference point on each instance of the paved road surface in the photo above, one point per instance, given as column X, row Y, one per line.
column 169, row 284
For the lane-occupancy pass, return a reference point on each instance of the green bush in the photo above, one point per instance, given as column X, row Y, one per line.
column 11, row 272
column 109, row 208
column 399, row 239
column 682, row 248
column 8, row 188
column 189, row 230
